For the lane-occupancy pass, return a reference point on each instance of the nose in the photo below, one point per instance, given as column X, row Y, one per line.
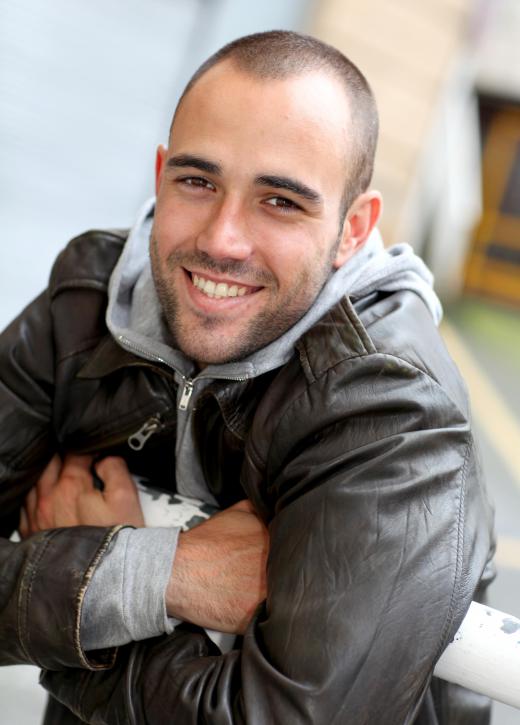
column 225, row 236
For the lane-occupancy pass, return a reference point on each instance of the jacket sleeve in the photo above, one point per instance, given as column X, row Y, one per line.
column 42, row 585
column 380, row 534
column 26, row 393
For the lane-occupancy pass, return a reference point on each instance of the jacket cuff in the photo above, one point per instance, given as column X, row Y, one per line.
column 51, row 593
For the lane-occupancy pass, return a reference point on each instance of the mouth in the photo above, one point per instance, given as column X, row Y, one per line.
column 218, row 289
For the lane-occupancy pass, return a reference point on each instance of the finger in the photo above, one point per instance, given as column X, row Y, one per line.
column 114, row 473
column 76, row 472
column 120, row 493
column 49, row 477
column 76, row 464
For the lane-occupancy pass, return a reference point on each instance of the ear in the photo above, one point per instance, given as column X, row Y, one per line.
column 159, row 167
column 361, row 218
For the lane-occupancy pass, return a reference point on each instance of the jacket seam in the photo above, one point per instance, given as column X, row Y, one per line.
column 362, row 334
column 97, row 236
column 356, row 326
column 459, row 557
column 25, row 596
column 405, row 363
column 86, row 283
column 85, row 345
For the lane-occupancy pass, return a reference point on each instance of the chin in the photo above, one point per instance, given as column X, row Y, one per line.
column 215, row 354
column 204, row 354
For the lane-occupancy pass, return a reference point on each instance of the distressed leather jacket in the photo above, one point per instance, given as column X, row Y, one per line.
column 358, row 455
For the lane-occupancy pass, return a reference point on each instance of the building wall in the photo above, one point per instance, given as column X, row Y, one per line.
column 418, row 59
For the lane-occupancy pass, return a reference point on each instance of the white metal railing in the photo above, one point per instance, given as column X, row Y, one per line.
column 484, row 655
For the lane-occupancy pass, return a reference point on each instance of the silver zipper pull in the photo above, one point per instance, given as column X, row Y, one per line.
column 187, row 390
column 138, row 439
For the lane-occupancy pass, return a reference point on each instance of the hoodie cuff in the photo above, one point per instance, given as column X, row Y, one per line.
column 125, row 599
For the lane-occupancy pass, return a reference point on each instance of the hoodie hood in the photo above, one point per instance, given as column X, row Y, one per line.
column 135, row 319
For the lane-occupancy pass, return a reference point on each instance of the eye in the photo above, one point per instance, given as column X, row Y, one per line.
column 283, row 204
column 196, row 181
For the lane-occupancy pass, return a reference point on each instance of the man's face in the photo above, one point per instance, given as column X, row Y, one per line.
column 247, row 226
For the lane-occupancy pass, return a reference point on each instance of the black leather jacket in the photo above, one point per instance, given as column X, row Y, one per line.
column 357, row 453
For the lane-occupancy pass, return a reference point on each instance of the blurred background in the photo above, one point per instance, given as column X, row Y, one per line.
column 87, row 91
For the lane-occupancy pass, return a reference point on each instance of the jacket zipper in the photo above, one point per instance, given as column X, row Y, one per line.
column 138, row 440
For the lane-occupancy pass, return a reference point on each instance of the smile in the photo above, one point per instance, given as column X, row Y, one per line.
column 219, row 289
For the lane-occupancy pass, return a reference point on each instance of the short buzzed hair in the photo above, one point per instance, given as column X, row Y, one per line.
column 279, row 54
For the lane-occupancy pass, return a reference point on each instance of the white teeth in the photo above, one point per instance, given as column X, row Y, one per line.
column 209, row 288
column 217, row 290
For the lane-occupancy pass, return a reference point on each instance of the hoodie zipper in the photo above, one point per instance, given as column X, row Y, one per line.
column 141, row 351
column 189, row 383
column 187, row 390
column 140, row 437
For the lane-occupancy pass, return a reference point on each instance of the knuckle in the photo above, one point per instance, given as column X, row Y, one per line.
column 69, row 481
column 117, row 497
column 109, row 465
column 113, row 461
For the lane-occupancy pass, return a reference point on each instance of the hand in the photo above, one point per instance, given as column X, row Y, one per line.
column 65, row 496
column 219, row 572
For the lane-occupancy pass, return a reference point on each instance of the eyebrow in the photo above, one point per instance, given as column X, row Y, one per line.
column 196, row 162
column 272, row 180
column 284, row 182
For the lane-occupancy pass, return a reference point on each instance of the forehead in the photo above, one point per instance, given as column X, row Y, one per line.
column 300, row 123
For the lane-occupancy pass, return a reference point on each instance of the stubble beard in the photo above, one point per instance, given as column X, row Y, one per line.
column 267, row 325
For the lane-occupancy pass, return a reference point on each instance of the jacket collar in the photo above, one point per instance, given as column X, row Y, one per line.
column 108, row 357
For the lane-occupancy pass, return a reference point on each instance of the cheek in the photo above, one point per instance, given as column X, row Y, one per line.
column 173, row 226
column 300, row 259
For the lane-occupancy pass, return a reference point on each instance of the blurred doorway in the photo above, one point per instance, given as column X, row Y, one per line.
column 493, row 265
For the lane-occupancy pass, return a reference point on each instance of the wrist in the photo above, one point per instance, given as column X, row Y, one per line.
column 184, row 593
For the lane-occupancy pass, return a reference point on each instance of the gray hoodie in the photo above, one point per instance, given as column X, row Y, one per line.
column 134, row 607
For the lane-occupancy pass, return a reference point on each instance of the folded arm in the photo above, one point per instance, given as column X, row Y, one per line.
column 219, row 574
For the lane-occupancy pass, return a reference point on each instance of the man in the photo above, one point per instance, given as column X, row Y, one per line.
column 267, row 349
